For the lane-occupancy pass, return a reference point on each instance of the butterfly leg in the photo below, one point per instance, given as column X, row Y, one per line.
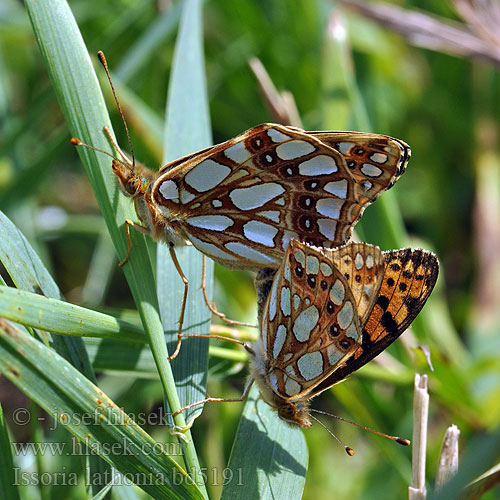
column 211, row 305
column 218, row 400
column 184, row 302
column 137, row 227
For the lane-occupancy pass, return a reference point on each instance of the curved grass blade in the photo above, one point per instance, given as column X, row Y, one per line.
column 90, row 415
column 187, row 130
column 60, row 317
column 7, row 478
column 269, row 457
column 81, row 101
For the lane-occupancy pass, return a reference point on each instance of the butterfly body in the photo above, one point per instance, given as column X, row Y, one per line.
column 328, row 312
column 242, row 201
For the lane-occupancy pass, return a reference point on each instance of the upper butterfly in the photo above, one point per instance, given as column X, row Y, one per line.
column 242, row 201
column 328, row 312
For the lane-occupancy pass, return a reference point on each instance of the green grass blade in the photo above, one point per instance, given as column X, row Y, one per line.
column 141, row 51
column 269, row 458
column 82, row 103
column 60, row 317
column 28, row 273
column 187, row 130
column 90, row 415
column 7, row 478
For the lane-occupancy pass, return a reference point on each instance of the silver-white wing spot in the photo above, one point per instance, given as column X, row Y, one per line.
column 279, row 341
column 248, row 253
column 310, row 365
column 294, row 149
column 285, row 304
column 213, row 222
column 337, row 292
column 305, row 322
column 334, row 355
column 337, row 188
column 238, row 152
column 206, row 175
column 326, row 269
column 291, row 386
column 344, row 147
column 210, row 249
column 379, row 158
column 312, row 264
column 328, row 228
column 277, row 136
column 345, row 315
column 296, row 302
column 287, row 236
column 369, row 261
column 255, row 196
column 300, row 257
column 169, row 190
column 216, row 203
column 186, row 196
column 273, row 215
column 358, row 261
column 319, row 165
column 371, row 170
column 260, row 232
column 272, row 300
column 330, row 207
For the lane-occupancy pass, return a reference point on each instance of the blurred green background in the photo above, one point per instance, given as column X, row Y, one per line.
column 443, row 105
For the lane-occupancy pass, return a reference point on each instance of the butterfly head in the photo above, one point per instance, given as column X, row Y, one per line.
column 294, row 412
column 133, row 182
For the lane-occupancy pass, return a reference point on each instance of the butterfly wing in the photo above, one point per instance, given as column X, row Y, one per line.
column 362, row 265
column 309, row 324
column 375, row 161
column 409, row 278
column 241, row 202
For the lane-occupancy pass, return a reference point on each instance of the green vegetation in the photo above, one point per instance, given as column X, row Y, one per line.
column 61, row 232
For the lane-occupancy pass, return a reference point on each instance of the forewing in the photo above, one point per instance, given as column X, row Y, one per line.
column 409, row 278
column 310, row 324
column 362, row 265
column 241, row 202
column 375, row 161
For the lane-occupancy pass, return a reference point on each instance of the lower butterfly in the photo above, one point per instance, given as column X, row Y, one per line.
column 327, row 312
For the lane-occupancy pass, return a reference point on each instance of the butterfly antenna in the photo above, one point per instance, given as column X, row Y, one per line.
column 347, row 449
column 77, row 142
column 399, row 440
column 104, row 63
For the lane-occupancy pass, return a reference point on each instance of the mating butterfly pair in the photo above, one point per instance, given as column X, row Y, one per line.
column 249, row 203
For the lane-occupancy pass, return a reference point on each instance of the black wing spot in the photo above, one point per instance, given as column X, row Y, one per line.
column 402, row 287
column 311, row 281
column 383, row 302
column 311, row 185
column 330, row 308
column 387, row 321
column 390, row 282
column 395, row 267
column 299, row 270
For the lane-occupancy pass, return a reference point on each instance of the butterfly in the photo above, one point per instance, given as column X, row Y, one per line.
column 242, row 201
column 327, row 312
